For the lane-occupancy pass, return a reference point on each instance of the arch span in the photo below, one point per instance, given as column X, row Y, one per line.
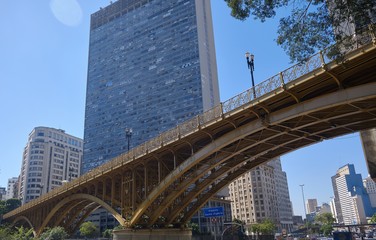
column 80, row 196
column 23, row 218
column 279, row 118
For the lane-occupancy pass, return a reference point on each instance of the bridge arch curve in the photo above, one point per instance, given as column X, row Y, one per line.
column 81, row 196
column 328, row 101
column 23, row 218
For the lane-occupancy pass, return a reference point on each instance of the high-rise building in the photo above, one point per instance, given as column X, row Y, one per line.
column 311, row 205
column 12, row 188
column 151, row 66
column 50, row 157
column 262, row 194
column 351, row 200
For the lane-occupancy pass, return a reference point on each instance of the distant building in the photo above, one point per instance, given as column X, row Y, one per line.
column 352, row 202
column 50, row 157
column 12, row 188
column 311, row 205
column 297, row 222
column 370, row 187
column 3, row 193
column 325, row 208
column 262, row 194
column 213, row 225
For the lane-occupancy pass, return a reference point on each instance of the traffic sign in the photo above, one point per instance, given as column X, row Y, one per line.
column 213, row 212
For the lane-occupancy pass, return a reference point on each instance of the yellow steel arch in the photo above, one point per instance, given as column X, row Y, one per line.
column 100, row 202
column 23, row 218
column 337, row 98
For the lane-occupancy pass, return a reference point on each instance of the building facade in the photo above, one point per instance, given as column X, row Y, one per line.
column 12, row 188
column 311, row 205
column 151, row 66
column 50, row 157
column 262, row 194
column 3, row 192
column 352, row 203
column 370, row 187
column 213, row 225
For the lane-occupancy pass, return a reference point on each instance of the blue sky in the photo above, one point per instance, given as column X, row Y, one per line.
column 43, row 66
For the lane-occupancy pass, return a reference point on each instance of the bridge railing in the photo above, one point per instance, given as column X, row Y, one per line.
column 317, row 61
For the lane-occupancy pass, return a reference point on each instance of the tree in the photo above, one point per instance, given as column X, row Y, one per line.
column 56, row 233
column 311, row 25
column 265, row 227
column 12, row 204
column 195, row 228
column 373, row 219
column 23, row 234
column 326, row 221
column 107, row 233
column 88, row 229
column 9, row 205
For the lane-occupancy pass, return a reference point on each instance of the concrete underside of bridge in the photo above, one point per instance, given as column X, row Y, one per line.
column 153, row 234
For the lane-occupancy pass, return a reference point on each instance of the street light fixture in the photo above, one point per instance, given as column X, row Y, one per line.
column 305, row 211
column 251, row 66
column 128, row 135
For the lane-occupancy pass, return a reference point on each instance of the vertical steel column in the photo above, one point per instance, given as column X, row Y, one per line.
column 104, row 190
column 145, row 181
column 112, row 191
column 122, row 203
column 133, row 190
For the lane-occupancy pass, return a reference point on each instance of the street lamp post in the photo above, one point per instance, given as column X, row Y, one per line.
column 305, row 211
column 128, row 135
column 251, row 66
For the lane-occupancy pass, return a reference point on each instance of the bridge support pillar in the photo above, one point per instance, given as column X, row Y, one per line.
column 153, row 234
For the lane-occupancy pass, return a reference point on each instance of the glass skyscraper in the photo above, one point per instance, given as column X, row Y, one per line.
column 151, row 66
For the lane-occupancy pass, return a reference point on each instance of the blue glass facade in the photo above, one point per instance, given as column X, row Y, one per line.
column 151, row 66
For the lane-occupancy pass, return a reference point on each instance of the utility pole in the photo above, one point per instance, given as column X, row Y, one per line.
column 305, row 210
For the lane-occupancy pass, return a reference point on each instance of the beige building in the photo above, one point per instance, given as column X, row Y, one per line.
column 262, row 194
column 50, row 157
column 311, row 205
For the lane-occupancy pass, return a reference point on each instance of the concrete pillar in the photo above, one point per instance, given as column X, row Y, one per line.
column 153, row 234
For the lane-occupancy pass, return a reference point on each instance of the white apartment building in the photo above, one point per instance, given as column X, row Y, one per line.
column 262, row 194
column 50, row 157
column 12, row 188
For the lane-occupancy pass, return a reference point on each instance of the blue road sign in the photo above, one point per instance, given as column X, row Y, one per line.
column 213, row 212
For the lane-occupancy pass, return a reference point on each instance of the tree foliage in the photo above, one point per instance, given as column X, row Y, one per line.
column 265, row 227
column 325, row 220
column 312, row 25
column 373, row 219
column 107, row 233
column 23, row 234
column 9, row 205
column 88, row 229
column 56, row 233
